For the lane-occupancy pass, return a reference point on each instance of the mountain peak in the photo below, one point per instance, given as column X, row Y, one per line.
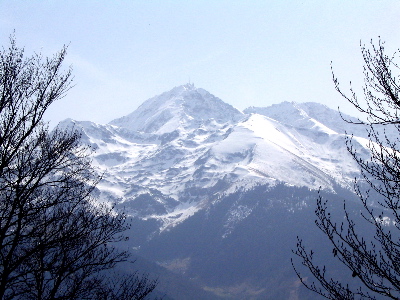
column 182, row 106
column 304, row 115
column 189, row 86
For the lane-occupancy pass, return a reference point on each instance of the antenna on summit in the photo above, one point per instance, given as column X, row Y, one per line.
column 190, row 84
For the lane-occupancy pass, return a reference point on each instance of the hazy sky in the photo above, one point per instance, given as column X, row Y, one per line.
column 248, row 53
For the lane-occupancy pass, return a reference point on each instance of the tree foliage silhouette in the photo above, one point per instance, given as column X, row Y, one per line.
column 56, row 241
column 374, row 263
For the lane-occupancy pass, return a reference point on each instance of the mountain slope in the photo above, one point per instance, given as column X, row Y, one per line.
column 203, row 181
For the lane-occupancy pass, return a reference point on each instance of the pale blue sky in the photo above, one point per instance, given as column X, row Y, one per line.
column 248, row 53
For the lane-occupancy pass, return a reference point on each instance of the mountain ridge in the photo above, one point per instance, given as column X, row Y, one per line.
column 207, row 148
column 308, row 114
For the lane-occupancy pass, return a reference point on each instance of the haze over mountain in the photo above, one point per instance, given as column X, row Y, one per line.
column 199, row 177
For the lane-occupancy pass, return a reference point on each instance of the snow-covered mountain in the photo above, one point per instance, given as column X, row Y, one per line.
column 186, row 164
column 185, row 148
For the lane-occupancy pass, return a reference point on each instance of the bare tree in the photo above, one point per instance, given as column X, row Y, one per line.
column 56, row 241
column 374, row 263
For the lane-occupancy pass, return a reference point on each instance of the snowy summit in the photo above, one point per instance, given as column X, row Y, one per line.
column 181, row 108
